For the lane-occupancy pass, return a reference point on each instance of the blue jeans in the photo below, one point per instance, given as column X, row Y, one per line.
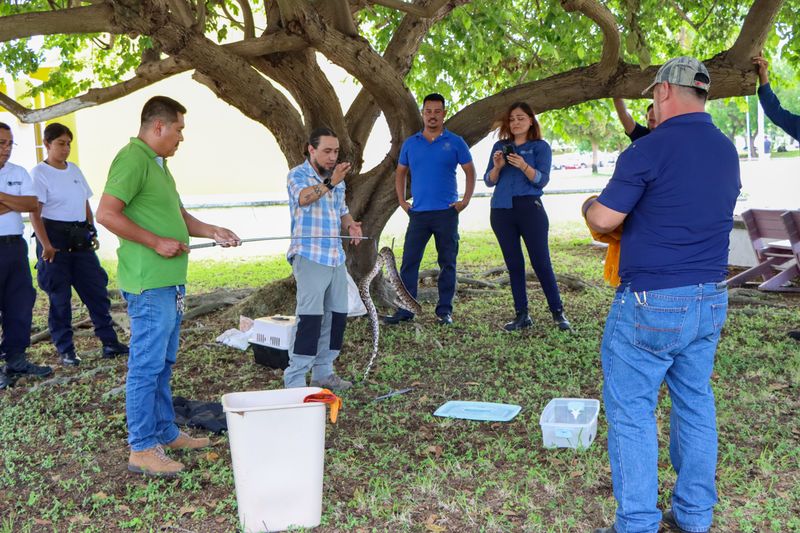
column 443, row 226
column 155, row 329
column 650, row 337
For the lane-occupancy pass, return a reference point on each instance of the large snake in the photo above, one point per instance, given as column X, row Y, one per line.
column 406, row 301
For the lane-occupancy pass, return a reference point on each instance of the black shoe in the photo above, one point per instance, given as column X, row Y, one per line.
column 28, row 369
column 605, row 530
column 561, row 320
column 70, row 358
column 445, row 319
column 396, row 318
column 794, row 335
column 521, row 321
column 669, row 520
column 114, row 349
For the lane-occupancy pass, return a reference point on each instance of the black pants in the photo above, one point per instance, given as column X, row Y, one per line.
column 17, row 297
column 527, row 219
column 443, row 226
column 81, row 270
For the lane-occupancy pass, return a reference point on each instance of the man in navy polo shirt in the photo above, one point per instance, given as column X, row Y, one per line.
column 432, row 156
column 675, row 189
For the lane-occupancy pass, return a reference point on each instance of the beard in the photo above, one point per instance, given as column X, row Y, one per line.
column 321, row 170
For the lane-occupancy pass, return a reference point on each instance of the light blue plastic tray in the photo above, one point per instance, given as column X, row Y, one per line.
column 484, row 411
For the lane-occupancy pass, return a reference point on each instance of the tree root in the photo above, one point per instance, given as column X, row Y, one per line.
column 197, row 305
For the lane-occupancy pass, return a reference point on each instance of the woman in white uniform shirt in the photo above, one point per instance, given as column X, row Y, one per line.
column 66, row 240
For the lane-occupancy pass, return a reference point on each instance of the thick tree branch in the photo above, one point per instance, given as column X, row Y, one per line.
column 272, row 43
column 608, row 24
column 755, row 29
column 399, row 54
column 90, row 19
column 147, row 74
column 233, row 80
column 300, row 74
column 378, row 77
column 581, row 85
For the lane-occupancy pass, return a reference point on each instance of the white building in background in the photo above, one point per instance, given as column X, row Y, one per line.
column 224, row 152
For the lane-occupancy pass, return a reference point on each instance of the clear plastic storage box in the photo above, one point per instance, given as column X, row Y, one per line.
column 569, row 422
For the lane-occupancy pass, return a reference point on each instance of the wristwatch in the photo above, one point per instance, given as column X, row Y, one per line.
column 327, row 182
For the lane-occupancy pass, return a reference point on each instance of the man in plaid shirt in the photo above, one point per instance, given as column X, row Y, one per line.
column 317, row 205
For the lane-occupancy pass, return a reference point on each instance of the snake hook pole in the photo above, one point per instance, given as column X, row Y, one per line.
column 290, row 237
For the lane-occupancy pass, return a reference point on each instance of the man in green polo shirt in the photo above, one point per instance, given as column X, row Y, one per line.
column 141, row 205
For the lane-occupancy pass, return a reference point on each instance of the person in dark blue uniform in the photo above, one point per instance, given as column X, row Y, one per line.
column 633, row 129
column 785, row 120
column 17, row 294
column 65, row 243
column 519, row 169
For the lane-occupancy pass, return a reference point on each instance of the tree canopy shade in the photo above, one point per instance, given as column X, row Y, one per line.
column 481, row 54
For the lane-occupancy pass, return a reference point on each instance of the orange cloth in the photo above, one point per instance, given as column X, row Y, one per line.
column 326, row 396
column 611, row 269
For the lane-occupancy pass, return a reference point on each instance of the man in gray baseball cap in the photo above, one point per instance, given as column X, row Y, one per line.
column 675, row 190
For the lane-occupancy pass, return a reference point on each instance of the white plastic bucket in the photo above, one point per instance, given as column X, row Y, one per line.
column 277, row 449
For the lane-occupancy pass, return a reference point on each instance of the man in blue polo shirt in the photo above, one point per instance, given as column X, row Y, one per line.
column 432, row 156
column 675, row 190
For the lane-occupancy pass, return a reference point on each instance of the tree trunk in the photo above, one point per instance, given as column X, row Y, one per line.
column 594, row 156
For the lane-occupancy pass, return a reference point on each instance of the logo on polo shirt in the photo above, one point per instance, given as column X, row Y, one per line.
column 12, row 183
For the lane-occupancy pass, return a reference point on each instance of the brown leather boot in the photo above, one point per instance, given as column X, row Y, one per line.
column 186, row 442
column 153, row 462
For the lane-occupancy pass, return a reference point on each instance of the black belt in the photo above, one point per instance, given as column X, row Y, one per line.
column 60, row 225
column 8, row 239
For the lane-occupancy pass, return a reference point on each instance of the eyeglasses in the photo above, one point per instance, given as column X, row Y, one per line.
column 7, row 144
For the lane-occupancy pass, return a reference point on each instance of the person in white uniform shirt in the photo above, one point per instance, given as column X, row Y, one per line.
column 17, row 294
column 65, row 244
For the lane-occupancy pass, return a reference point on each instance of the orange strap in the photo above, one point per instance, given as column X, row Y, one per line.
column 326, row 396
column 611, row 267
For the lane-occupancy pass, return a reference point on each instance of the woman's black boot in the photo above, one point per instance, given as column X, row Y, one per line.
column 561, row 320
column 521, row 321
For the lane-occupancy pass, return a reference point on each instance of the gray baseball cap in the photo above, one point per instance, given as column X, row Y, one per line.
column 682, row 71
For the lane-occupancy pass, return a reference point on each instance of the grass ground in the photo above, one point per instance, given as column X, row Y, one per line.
column 391, row 465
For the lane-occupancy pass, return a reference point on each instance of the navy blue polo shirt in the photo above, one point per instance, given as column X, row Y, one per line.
column 678, row 186
column 433, row 169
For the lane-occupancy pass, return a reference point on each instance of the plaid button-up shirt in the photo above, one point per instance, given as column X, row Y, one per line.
column 323, row 217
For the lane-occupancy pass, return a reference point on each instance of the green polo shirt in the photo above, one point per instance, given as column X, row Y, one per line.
column 152, row 202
